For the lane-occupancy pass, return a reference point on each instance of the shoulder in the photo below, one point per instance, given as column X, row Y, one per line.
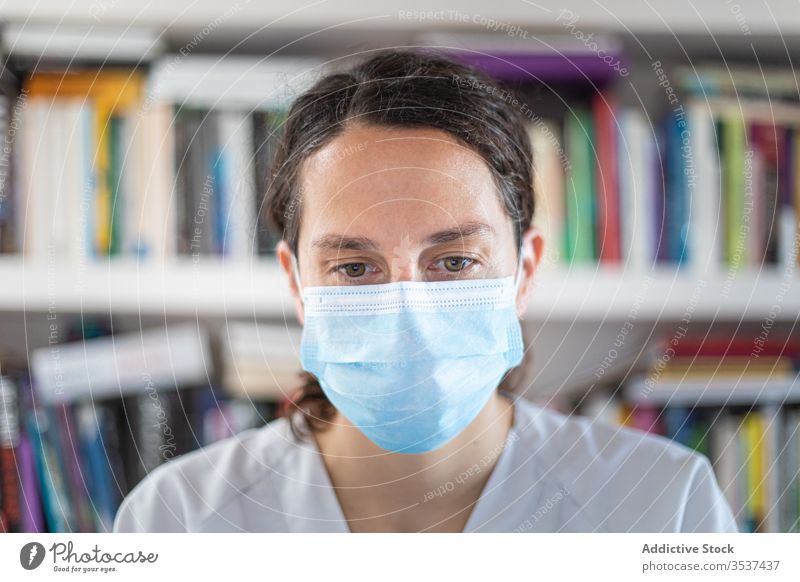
column 182, row 493
column 578, row 440
column 621, row 478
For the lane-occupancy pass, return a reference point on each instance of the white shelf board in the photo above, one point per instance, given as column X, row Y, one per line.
column 214, row 287
column 666, row 16
column 716, row 392
column 207, row 287
column 666, row 294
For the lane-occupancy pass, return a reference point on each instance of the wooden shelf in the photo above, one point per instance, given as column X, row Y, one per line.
column 258, row 288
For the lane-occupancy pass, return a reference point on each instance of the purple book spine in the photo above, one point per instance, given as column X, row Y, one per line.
column 30, row 502
column 542, row 67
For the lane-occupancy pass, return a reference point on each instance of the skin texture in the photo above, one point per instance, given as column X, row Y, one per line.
column 381, row 205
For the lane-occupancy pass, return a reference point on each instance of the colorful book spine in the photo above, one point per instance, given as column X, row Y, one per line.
column 735, row 165
column 57, row 508
column 116, row 198
column 10, row 513
column 796, row 191
column 580, row 203
column 32, row 518
column 606, row 179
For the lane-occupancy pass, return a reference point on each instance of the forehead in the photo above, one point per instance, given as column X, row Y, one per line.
column 399, row 178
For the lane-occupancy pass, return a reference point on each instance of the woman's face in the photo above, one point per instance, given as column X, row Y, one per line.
column 382, row 204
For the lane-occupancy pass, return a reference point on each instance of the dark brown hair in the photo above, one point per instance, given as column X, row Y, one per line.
column 400, row 88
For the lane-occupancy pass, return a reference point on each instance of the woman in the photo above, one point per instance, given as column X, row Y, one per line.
column 402, row 189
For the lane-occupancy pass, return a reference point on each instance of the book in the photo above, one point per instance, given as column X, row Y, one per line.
column 267, row 130
column 237, row 186
column 94, row 427
column 606, row 180
column 109, row 93
column 768, row 143
column 580, row 196
column 734, row 155
column 69, row 453
column 725, row 461
column 260, row 361
column 705, row 220
column 108, row 367
column 637, row 190
column 790, row 472
column 10, row 107
column 548, row 187
column 541, row 58
column 235, row 82
column 58, row 510
column 10, row 510
column 678, row 173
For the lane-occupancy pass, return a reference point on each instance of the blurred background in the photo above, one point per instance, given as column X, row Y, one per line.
column 142, row 313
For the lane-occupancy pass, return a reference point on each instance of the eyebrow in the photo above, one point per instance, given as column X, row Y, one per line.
column 462, row 231
column 341, row 242
column 361, row 243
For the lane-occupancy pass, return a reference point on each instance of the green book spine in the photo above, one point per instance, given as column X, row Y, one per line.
column 116, row 151
column 734, row 196
column 580, row 203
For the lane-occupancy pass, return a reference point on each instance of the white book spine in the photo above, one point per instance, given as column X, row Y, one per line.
column 88, row 179
column 627, row 144
column 35, row 155
column 56, row 133
column 724, row 454
column 134, row 180
column 114, row 366
column 160, row 227
column 74, row 209
column 788, row 236
column 705, row 232
column 237, row 152
column 549, row 188
column 638, row 190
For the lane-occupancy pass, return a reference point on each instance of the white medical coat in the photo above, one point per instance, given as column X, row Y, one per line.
column 556, row 473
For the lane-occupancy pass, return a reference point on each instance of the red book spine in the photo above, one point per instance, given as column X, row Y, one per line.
column 9, row 437
column 10, row 490
column 606, row 180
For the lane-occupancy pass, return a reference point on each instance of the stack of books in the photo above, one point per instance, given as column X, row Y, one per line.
column 710, row 185
column 173, row 161
column 99, row 415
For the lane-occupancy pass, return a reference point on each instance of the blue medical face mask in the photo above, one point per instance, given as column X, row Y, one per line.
column 411, row 364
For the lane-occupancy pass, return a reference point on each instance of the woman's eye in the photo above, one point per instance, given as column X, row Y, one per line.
column 354, row 269
column 456, row 264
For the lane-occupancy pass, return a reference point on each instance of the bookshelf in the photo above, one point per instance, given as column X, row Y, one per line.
column 577, row 309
